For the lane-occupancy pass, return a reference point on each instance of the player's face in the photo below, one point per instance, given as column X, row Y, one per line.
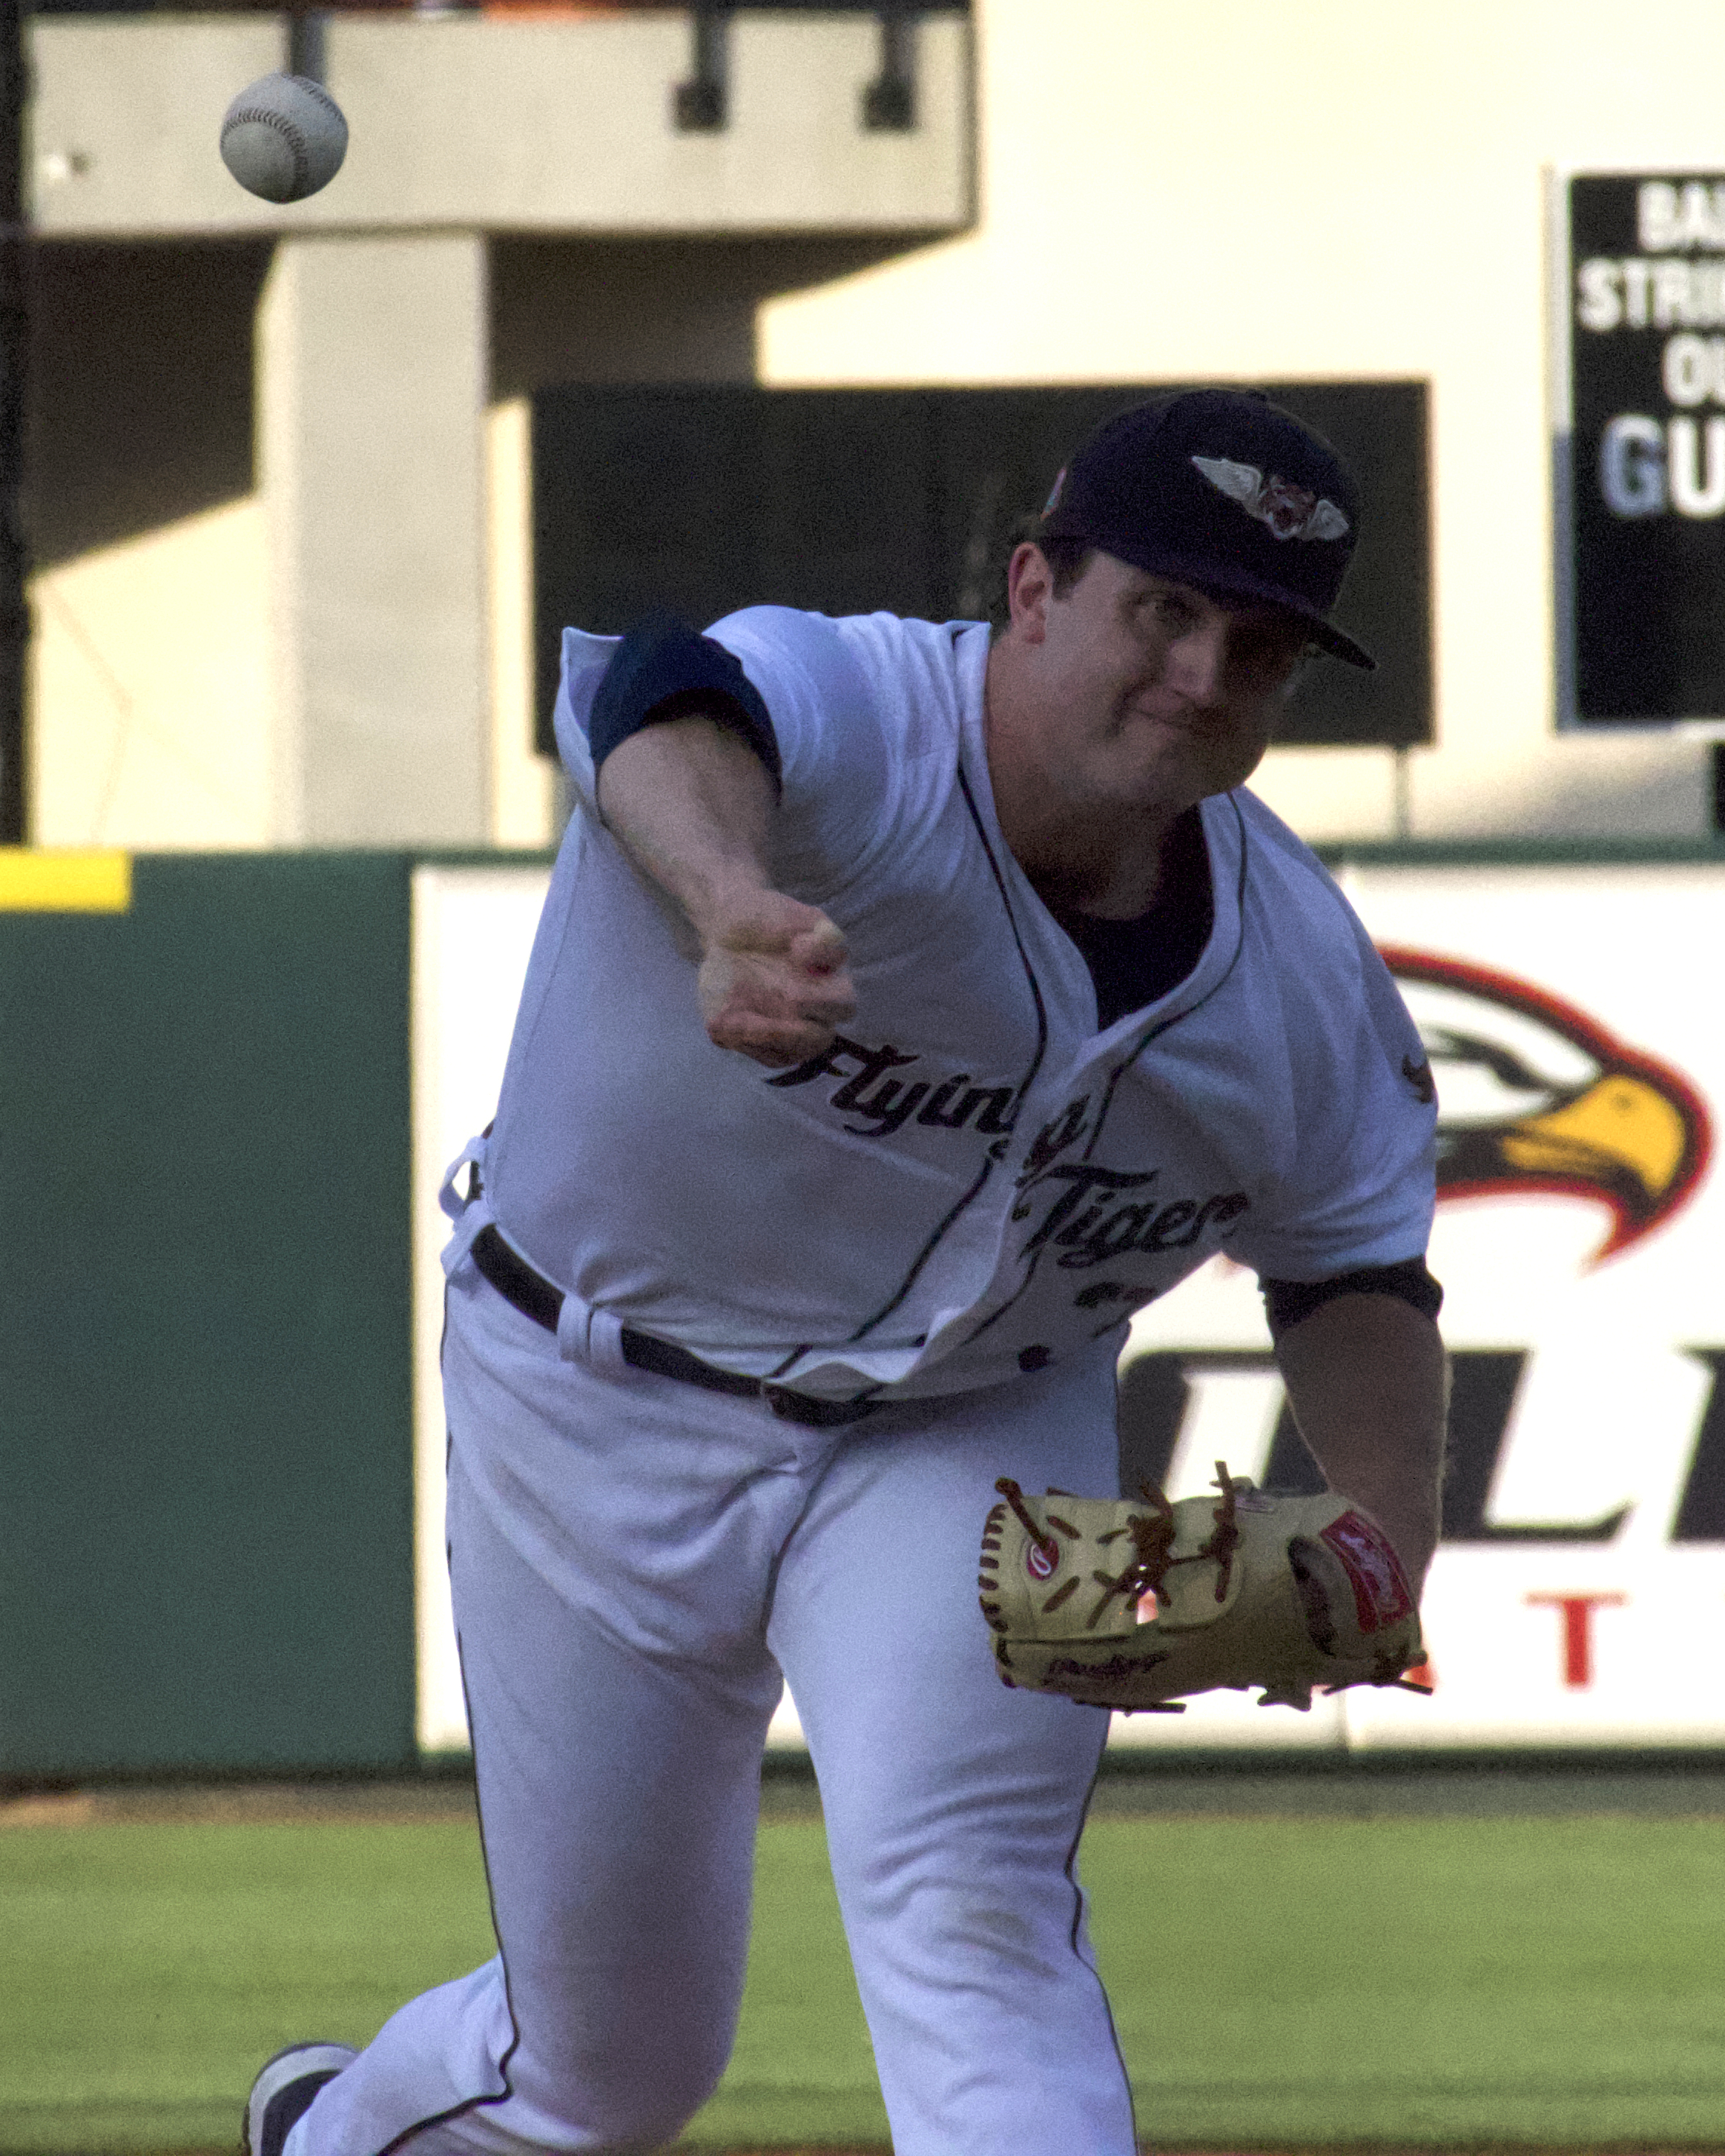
column 1150, row 693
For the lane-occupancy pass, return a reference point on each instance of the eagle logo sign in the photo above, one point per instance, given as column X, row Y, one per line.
column 1534, row 1094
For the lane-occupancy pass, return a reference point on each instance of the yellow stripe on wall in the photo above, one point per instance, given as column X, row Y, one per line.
column 54, row 881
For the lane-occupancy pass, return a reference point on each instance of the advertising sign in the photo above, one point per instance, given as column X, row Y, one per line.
column 1640, row 465
column 1579, row 1595
column 472, row 931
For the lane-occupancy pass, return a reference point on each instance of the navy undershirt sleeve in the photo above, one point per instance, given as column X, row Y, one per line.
column 1285, row 1303
column 663, row 670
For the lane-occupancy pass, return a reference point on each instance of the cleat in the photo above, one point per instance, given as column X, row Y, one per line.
column 283, row 2093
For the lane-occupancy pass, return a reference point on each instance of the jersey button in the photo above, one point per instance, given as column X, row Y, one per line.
column 1034, row 1358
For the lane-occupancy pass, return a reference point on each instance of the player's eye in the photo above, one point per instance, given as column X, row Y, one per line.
column 1171, row 613
column 1267, row 654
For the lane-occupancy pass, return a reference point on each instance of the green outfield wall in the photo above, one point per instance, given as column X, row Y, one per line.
column 205, row 1385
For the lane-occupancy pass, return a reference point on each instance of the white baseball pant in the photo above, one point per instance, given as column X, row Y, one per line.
column 635, row 1561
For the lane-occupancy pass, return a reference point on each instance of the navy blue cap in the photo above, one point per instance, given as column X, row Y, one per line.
column 1222, row 489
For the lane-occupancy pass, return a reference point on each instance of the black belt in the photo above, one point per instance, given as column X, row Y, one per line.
column 536, row 1297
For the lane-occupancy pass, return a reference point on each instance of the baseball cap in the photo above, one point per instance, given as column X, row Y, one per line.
column 1223, row 490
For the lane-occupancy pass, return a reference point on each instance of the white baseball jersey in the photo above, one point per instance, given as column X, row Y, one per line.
column 973, row 1182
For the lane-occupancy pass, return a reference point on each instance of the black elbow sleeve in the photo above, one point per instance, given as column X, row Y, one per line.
column 1285, row 1303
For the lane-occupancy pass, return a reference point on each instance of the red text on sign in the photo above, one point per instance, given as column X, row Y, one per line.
column 1578, row 1612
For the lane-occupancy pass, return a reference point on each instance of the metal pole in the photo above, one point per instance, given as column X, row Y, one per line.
column 306, row 42
column 1402, row 795
column 701, row 106
column 889, row 102
column 14, row 357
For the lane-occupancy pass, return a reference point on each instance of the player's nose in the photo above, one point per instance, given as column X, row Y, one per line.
column 1198, row 664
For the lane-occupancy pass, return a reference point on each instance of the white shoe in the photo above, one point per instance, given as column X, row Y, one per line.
column 283, row 2093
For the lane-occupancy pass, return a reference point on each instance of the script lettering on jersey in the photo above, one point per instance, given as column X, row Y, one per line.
column 1088, row 1226
column 887, row 1104
column 1052, row 1140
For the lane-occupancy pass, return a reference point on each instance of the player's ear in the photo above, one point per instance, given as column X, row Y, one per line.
column 1029, row 587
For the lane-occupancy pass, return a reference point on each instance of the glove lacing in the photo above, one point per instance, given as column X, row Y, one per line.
column 1152, row 1537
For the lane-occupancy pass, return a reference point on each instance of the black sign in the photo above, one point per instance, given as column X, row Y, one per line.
column 1645, row 477
column 845, row 500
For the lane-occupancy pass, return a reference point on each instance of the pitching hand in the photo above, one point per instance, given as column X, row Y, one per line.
column 773, row 984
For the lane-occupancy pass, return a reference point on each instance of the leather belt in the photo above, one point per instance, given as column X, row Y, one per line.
column 536, row 1297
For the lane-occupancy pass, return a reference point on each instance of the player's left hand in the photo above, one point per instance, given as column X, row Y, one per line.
column 1136, row 1604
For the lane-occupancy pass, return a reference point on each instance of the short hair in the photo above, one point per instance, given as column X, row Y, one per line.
column 1067, row 560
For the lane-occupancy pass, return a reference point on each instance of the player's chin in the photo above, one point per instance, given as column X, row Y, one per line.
column 1186, row 770
column 1221, row 744
column 1217, row 763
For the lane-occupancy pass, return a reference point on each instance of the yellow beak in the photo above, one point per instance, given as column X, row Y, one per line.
column 1619, row 1122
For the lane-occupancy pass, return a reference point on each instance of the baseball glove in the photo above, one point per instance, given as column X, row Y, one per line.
column 1132, row 1606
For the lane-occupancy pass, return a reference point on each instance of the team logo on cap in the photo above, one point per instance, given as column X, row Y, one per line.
column 1290, row 511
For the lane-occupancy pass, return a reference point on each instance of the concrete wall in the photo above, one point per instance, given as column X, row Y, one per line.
column 150, row 687
column 168, row 673
column 1166, row 192
column 372, row 375
column 149, row 670
column 562, row 124
column 283, row 557
column 1339, row 189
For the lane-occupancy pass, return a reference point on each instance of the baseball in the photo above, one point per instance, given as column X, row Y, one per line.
column 284, row 137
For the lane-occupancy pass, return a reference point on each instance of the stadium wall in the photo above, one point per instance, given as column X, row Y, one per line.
column 229, row 1083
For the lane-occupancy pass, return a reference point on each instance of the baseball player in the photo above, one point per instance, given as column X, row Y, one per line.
column 909, row 1007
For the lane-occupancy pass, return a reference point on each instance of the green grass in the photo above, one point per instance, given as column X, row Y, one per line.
column 1418, row 1981
column 146, row 1971
column 1277, row 1982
